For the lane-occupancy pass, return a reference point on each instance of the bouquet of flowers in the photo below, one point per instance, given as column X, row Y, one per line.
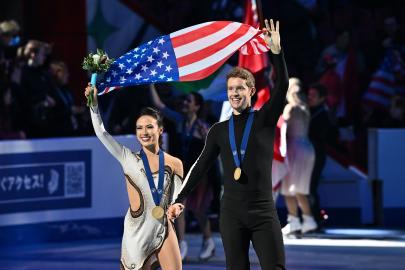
column 96, row 63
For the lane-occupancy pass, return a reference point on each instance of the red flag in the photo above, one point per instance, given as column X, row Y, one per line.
column 256, row 63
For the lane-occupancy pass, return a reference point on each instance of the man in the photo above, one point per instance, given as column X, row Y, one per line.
column 245, row 143
column 319, row 127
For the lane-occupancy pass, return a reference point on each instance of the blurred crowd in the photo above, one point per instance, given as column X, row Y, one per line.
column 36, row 101
column 354, row 49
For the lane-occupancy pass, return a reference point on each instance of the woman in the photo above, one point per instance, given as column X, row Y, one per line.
column 191, row 132
column 148, row 234
column 301, row 157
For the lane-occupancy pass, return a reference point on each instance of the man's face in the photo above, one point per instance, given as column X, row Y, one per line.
column 313, row 98
column 239, row 94
column 36, row 55
column 60, row 73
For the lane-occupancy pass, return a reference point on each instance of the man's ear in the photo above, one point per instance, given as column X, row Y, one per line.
column 252, row 91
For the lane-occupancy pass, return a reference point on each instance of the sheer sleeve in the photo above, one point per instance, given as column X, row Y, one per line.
column 115, row 148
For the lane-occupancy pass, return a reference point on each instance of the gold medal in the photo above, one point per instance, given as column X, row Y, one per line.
column 237, row 173
column 158, row 212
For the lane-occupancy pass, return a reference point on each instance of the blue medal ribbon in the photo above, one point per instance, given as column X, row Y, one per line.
column 156, row 192
column 245, row 139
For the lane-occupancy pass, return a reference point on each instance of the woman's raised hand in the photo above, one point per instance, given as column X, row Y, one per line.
column 87, row 92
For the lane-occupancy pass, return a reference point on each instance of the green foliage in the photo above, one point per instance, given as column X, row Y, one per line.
column 102, row 65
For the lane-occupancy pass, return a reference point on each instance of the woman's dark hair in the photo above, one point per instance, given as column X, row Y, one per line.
column 156, row 115
column 198, row 100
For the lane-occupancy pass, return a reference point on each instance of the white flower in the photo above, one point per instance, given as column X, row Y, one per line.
column 96, row 58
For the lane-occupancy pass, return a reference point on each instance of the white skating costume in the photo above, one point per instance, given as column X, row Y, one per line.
column 143, row 234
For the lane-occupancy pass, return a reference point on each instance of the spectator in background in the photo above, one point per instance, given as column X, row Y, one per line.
column 37, row 88
column 9, row 41
column 393, row 36
column 11, row 126
column 319, row 126
column 66, row 114
column 396, row 118
column 333, row 84
column 295, row 186
column 388, row 80
column 192, row 132
column 348, row 64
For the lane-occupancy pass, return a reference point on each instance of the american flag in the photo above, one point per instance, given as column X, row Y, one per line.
column 189, row 54
column 384, row 83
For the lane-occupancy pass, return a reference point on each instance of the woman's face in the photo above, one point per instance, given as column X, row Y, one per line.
column 189, row 104
column 148, row 131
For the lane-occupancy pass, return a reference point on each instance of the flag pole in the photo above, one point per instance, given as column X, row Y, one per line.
column 259, row 12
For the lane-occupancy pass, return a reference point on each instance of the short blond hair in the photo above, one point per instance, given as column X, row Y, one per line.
column 238, row 72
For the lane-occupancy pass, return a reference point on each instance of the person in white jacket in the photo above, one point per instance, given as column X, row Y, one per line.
column 153, row 178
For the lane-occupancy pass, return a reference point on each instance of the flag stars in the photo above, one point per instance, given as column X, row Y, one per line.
column 143, row 50
column 121, row 66
column 150, row 59
column 122, row 79
column 129, row 71
column 153, row 72
column 161, row 41
column 138, row 76
column 162, row 76
column 108, row 79
column 159, row 64
column 144, row 68
column 114, row 73
column 169, row 79
column 165, row 55
column 136, row 56
column 129, row 60
column 168, row 68
column 156, row 50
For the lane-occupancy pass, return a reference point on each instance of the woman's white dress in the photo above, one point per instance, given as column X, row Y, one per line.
column 143, row 234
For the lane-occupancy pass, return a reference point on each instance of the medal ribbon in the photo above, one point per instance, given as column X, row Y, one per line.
column 156, row 192
column 245, row 139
